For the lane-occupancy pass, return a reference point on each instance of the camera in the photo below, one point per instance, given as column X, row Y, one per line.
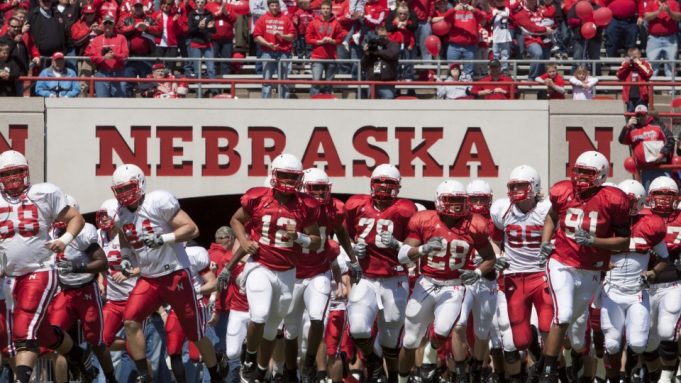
column 631, row 60
column 105, row 50
column 373, row 41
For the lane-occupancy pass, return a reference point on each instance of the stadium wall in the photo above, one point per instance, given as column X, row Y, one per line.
column 199, row 148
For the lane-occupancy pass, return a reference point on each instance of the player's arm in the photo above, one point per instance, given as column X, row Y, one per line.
column 489, row 258
column 347, row 281
column 413, row 249
column 185, row 228
column 74, row 224
column 98, row 262
column 128, row 270
column 338, row 278
column 309, row 238
column 239, row 219
column 619, row 242
column 550, row 225
column 210, row 284
column 344, row 240
column 496, row 246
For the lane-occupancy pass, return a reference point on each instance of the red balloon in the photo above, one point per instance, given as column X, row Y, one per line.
column 602, row 16
column 433, row 45
column 589, row 30
column 630, row 165
column 440, row 28
column 585, row 11
column 241, row 7
column 676, row 160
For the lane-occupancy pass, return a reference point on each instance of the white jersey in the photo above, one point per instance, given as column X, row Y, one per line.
column 334, row 303
column 625, row 275
column 198, row 260
column 522, row 233
column 500, row 30
column 152, row 216
column 115, row 254
column 76, row 252
column 24, row 225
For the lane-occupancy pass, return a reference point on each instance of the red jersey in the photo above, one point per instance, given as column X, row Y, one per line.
column 663, row 24
column 599, row 214
column 637, row 138
column 468, row 233
column 236, row 300
column 647, row 230
column 317, row 262
column 277, row 250
column 364, row 221
column 531, row 21
column 558, row 81
column 464, row 30
column 673, row 242
column 268, row 24
column 341, row 9
column 470, row 265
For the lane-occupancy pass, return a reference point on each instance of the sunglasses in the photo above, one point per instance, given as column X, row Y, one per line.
column 216, row 238
column 402, row 14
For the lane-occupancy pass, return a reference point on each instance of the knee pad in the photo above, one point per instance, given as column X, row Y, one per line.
column 390, row 353
column 512, row 356
column 651, row 356
column 29, row 345
column 669, row 350
column 60, row 338
column 612, row 347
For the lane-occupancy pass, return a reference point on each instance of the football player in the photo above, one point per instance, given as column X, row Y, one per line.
column 283, row 222
column 28, row 212
column 237, row 304
column 445, row 238
column 385, row 289
column 153, row 226
column 625, row 305
column 590, row 221
column 518, row 221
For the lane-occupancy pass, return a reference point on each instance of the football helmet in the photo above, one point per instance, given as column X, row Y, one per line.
column 15, row 183
column 129, row 184
column 482, row 192
column 316, row 183
column 106, row 214
column 419, row 207
column 590, row 170
column 71, row 202
column 287, row 173
column 663, row 195
column 524, row 183
column 386, row 182
column 610, row 184
column 636, row 193
column 451, row 199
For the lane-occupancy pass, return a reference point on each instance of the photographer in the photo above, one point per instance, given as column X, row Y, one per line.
column 634, row 69
column 55, row 86
column 651, row 144
column 109, row 51
column 381, row 57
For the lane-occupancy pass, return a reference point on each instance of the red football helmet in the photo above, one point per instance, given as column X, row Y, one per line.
column 287, row 174
column 386, row 182
column 451, row 199
column 14, row 174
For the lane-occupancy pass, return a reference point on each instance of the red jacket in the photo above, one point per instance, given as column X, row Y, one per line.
column 216, row 253
column 558, row 81
column 82, row 35
column 465, row 24
column 423, row 9
column 171, row 26
column 184, row 10
column 530, row 21
column 374, row 15
column 496, row 96
column 126, row 8
column 514, row 6
column 267, row 24
column 138, row 43
column 302, row 18
column 635, row 73
column 341, row 9
column 119, row 45
column 317, row 30
column 402, row 35
column 224, row 25
column 109, row 7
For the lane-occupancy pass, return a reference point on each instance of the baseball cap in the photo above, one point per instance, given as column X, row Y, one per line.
column 494, row 62
column 641, row 109
column 89, row 9
column 57, row 55
column 158, row 65
column 454, row 65
column 108, row 18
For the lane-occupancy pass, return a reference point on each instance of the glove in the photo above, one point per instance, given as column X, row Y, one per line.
column 223, row 279
column 357, row 273
column 126, row 268
column 469, row 277
column 434, row 245
column 545, row 251
column 152, row 240
column 211, row 306
column 502, row 264
column 477, row 260
column 68, row 267
column 388, row 240
column 584, row 238
column 360, row 250
column 643, row 282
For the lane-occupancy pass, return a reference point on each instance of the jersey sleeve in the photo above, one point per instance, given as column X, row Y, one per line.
column 480, row 231
column 200, row 258
column 619, row 208
column 350, row 212
column 54, row 198
column 86, row 237
column 414, row 228
column 339, row 216
column 334, row 250
column 250, row 200
column 657, row 230
column 313, row 211
column 166, row 204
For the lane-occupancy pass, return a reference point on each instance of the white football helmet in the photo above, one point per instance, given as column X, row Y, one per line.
column 451, row 199
column 316, row 183
column 287, row 173
column 71, row 202
column 636, row 193
column 386, row 182
column 129, row 184
column 524, row 183
column 663, row 195
column 610, row 184
column 19, row 180
column 419, row 207
column 482, row 193
column 106, row 214
column 590, row 170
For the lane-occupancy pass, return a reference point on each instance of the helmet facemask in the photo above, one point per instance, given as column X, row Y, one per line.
column 479, row 203
column 452, row 205
column 103, row 221
column 286, row 181
column 519, row 191
column 633, row 204
column 663, row 201
column 128, row 193
column 584, row 178
column 384, row 189
column 319, row 190
column 14, row 180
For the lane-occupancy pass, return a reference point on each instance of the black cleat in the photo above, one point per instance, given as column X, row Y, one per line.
column 308, row 374
column 144, row 379
column 84, row 366
column 428, row 372
column 533, row 375
column 374, row 369
column 247, row 372
column 547, row 378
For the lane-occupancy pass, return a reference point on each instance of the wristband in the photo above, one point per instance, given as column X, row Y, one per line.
column 197, row 289
column 168, row 238
column 422, row 250
column 79, row 267
column 66, row 238
column 303, row 240
column 211, row 299
column 654, row 274
column 403, row 254
column 477, row 271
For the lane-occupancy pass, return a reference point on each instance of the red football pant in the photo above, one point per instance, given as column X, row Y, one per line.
column 522, row 291
column 175, row 289
column 113, row 320
column 85, row 304
column 337, row 335
column 32, row 294
column 175, row 337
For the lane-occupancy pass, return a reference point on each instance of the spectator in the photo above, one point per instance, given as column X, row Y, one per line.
column 402, row 35
column 324, row 33
column 109, row 52
column 15, row 39
column 622, row 30
column 484, row 40
column 555, row 85
column 463, row 33
column 161, row 89
column 425, row 11
column 71, row 12
column 584, row 49
column 167, row 19
column 183, row 40
column 532, row 19
column 57, row 88
column 651, row 144
column 106, row 7
column 8, row 7
column 356, row 12
column 201, row 26
column 260, row 8
column 662, row 17
column 494, row 92
column 9, row 71
column 518, row 49
column 380, row 63
column 634, row 69
column 562, row 34
column 275, row 34
column 139, row 29
column 302, row 19
column 654, row 118
column 47, row 28
column 440, row 11
column 454, row 92
column 83, row 31
column 498, row 19
column 128, row 7
column 583, row 85
column 221, row 248
column 223, row 38
column 341, row 10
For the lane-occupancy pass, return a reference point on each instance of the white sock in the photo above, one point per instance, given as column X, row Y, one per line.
column 667, row 376
column 277, row 367
column 568, row 357
column 429, row 354
column 403, row 379
column 678, row 370
column 600, row 368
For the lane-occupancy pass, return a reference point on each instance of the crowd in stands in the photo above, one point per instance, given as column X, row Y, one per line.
column 112, row 32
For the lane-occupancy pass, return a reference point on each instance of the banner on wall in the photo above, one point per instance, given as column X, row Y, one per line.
column 22, row 128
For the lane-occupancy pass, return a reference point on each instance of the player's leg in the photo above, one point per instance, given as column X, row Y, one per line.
column 113, row 323
column 419, row 315
column 587, row 283
column 259, row 287
column 293, row 323
column 459, row 341
column 362, row 310
column 175, row 339
column 338, row 345
column 62, row 313
column 612, row 324
column 90, row 312
column 394, row 296
column 669, row 313
column 447, row 311
column 483, row 313
column 316, row 298
column 651, row 355
column 637, row 322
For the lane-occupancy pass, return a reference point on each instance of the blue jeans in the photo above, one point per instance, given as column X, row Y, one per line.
column 647, row 176
column 538, row 53
column 633, row 103
column 326, row 70
column 155, row 335
column 269, row 69
column 183, row 45
column 563, row 37
column 210, row 65
column 234, row 368
column 73, row 64
column 258, row 54
column 344, row 68
column 621, row 33
column 356, row 53
column 110, row 89
column 662, row 48
column 384, row 92
column 303, row 51
column 221, row 331
column 502, row 51
column 135, row 69
column 457, row 52
column 586, row 50
column 406, row 71
column 224, row 49
column 197, row 372
column 422, row 32
column 517, row 35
